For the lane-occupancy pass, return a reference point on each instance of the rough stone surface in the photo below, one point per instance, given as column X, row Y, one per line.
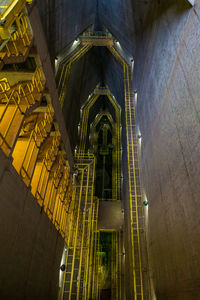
column 64, row 20
column 167, row 78
column 31, row 247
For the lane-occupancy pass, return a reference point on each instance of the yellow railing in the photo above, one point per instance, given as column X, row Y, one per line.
column 80, row 240
column 60, row 198
column 53, row 184
column 96, row 34
column 50, row 179
column 65, row 210
column 42, row 171
column 11, row 115
column 26, row 150
column 20, row 39
column 28, row 132
column 14, row 102
column 7, row 5
column 9, row 10
column 65, row 72
column 134, row 191
column 116, row 178
column 135, row 197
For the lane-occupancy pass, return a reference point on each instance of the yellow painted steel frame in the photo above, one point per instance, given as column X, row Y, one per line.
column 97, row 34
column 83, row 135
column 42, row 180
column 88, row 270
column 84, row 122
column 27, row 134
column 15, row 103
column 116, row 141
column 53, row 187
column 37, row 137
column 65, row 72
column 9, row 10
column 62, row 190
column 54, row 183
column 21, row 38
column 93, row 247
column 89, row 261
column 133, row 173
column 67, row 203
column 76, row 279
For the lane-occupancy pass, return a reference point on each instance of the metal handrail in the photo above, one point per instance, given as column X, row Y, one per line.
column 96, row 34
column 47, row 164
column 20, row 36
column 6, row 5
column 40, row 132
column 15, row 97
column 9, row 11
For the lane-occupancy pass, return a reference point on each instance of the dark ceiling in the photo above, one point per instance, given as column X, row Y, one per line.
column 65, row 20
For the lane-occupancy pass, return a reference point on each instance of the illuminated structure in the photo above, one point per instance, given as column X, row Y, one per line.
column 75, row 226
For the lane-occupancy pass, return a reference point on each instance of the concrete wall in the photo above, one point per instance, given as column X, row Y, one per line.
column 43, row 53
column 117, row 17
column 64, row 20
column 31, row 247
column 167, row 77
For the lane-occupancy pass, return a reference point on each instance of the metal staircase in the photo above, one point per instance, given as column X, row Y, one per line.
column 79, row 250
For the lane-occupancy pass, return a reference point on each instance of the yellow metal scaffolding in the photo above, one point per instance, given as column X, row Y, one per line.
column 32, row 138
column 85, row 110
column 28, row 129
column 15, row 102
column 136, row 208
column 9, row 11
column 64, row 73
column 79, row 245
column 19, row 42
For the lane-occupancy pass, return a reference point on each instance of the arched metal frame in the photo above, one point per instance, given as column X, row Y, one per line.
column 135, row 209
column 116, row 154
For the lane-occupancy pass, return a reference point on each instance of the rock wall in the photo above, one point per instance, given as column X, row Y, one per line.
column 167, row 77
